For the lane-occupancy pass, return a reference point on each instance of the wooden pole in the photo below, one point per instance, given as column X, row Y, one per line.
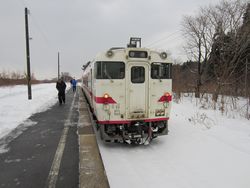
column 28, row 54
column 58, row 65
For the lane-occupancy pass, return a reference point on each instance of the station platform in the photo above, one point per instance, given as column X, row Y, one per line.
column 59, row 150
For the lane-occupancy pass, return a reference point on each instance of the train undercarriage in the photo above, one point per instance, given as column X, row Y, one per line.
column 137, row 132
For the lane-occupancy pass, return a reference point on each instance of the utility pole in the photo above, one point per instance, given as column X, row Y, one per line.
column 246, row 90
column 28, row 54
column 58, row 65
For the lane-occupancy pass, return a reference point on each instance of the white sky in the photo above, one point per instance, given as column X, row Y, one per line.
column 79, row 29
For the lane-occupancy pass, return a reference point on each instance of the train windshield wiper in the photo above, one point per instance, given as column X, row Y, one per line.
column 107, row 74
column 158, row 77
column 157, row 74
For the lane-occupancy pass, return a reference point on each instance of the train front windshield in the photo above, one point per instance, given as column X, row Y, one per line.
column 109, row 70
column 161, row 71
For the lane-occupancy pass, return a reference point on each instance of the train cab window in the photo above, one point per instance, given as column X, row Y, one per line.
column 161, row 71
column 137, row 74
column 109, row 70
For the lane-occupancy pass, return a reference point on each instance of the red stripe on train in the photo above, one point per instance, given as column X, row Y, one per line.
column 156, row 119
column 102, row 100
column 114, row 122
column 165, row 98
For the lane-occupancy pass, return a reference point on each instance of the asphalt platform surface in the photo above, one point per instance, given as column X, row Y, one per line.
column 45, row 154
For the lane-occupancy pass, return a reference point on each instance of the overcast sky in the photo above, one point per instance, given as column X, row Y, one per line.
column 79, row 29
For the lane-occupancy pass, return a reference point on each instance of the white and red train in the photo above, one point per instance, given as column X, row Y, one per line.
column 130, row 93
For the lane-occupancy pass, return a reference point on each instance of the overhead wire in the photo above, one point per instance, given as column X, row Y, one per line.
column 37, row 25
column 162, row 39
column 166, row 39
column 39, row 28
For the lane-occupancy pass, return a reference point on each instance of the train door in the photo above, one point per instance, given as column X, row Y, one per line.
column 137, row 90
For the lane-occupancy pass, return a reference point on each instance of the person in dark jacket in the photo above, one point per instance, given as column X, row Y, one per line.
column 61, row 87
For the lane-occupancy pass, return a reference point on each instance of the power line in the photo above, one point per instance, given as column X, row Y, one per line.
column 167, row 41
column 163, row 38
column 37, row 25
column 45, row 38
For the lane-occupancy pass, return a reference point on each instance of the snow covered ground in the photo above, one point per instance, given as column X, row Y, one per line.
column 15, row 107
column 210, row 152
column 204, row 149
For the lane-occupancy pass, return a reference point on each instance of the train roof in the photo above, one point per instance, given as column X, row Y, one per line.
column 132, row 52
column 140, row 54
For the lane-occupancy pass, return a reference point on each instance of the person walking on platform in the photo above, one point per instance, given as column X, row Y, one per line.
column 73, row 83
column 61, row 87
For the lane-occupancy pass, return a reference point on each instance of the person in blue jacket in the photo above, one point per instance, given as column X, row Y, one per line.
column 73, row 83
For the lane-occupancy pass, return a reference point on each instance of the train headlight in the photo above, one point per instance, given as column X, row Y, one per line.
column 106, row 96
column 166, row 94
column 168, row 97
column 131, row 54
column 163, row 55
column 106, row 99
column 109, row 53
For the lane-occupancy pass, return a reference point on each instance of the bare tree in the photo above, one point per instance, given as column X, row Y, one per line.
column 198, row 44
column 214, row 24
column 228, row 44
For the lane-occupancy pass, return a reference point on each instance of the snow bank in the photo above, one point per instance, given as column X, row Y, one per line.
column 15, row 107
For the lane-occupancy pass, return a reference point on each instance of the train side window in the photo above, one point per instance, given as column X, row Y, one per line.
column 161, row 70
column 137, row 74
column 109, row 70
